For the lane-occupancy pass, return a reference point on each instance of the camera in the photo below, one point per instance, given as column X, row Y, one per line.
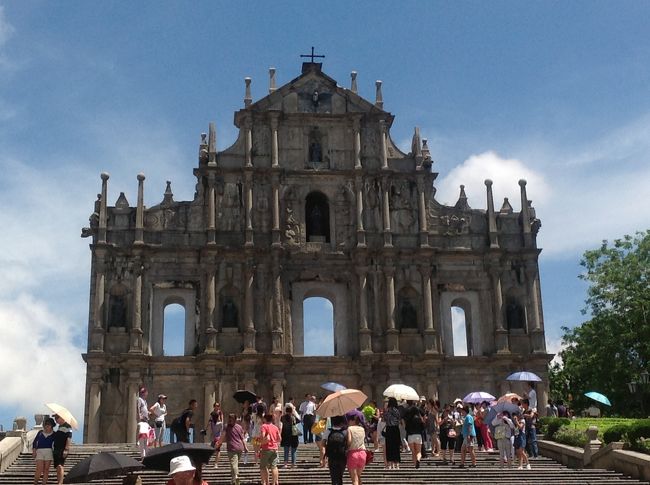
column 203, row 432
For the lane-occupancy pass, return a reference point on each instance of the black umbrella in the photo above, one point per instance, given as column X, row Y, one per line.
column 158, row 458
column 243, row 395
column 102, row 465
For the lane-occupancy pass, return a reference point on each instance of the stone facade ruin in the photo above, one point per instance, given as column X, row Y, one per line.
column 313, row 199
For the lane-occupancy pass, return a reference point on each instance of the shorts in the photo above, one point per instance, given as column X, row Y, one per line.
column 520, row 441
column 44, row 454
column 414, row 439
column 469, row 441
column 58, row 458
column 356, row 459
column 269, row 459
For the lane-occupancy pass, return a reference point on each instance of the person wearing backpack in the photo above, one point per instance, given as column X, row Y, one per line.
column 182, row 425
column 336, row 439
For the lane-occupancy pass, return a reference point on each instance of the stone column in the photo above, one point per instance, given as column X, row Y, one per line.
column 248, row 154
column 388, row 236
column 103, row 216
column 384, row 148
column 392, row 334
column 501, row 333
column 422, row 212
column 275, row 232
column 365, row 343
column 249, row 330
column 94, row 407
column 492, row 221
column 212, row 211
column 277, row 305
column 139, row 212
column 277, row 387
column 430, row 335
column 356, row 133
column 275, row 161
column 525, row 215
column 249, row 208
column 537, row 333
column 361, row 234
column 136, row 332
column 210, row 332
column 376, row 309
column 97, row 341
column 131, row 407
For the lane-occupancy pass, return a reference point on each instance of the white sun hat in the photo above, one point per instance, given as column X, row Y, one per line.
column 180, row 464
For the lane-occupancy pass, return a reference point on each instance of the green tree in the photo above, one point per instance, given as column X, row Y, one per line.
column 611, row 348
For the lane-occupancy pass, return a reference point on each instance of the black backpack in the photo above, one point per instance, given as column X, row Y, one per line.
column 336, row 444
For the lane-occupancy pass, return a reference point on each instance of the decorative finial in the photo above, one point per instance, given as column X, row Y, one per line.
column 248, row 99
column 379, row 99
column 462, row 200
column 271, row 79
column 353, row 86
column 105, row 176
column 140, row 177
column 488, row 183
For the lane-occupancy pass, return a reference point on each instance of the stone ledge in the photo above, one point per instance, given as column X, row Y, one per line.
column 10, row 449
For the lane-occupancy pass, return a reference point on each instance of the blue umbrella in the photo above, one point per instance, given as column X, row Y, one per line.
column 333, row 386
column 524, row 376
column 597, row 396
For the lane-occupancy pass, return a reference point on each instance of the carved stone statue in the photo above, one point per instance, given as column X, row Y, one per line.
column 230, row 314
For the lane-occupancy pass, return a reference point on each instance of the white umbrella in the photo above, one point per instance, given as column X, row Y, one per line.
column 340, row 402
column 477, row 397
column 64, row 413
column 402, row 391
column 524, row 376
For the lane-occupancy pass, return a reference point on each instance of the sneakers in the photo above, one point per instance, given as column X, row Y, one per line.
column 528, row 467
column 520, row 467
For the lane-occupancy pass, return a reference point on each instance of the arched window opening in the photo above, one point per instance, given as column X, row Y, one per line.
column 407, row 309
column 318, row 315
column 174, row 330
column 317, row 218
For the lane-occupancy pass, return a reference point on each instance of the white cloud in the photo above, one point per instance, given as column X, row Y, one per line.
column 39, row 362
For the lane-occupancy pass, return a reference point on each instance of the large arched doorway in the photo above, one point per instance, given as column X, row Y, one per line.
column 318, row 321
column 459, row 331
column 317, row 217
column 174, row 330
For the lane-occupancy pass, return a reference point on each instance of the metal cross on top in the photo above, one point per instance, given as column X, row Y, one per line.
column 312, row 55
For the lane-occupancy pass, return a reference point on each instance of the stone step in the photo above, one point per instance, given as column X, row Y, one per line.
column 487, row 472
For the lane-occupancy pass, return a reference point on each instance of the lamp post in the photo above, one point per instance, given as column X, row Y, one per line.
column 640, row 388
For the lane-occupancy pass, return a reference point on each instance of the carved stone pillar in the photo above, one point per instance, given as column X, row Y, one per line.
column 249, row 330
column 525, row 215
column 365, row 343
column 103, row 216
column 361, row 234
column 501, row 333
column 384, row 148
column 94, row 407
column 136, row 331
column 277, row 387
column 212, row 211
column 430, row 334
column 492, row 221
column 277, row 332
column 139, row 212
column 392, row 334
column 422, row 213
column 537, row 333
column 275, row 161
column 210, row 298
column 388, row 237
column 356, row 133
column 275, row 232
column 249, row 208
column 97, row 339
column 248, row 154
column 376, row 309
column 131, row 407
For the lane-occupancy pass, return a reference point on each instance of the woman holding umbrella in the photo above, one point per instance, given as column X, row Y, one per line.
column 392, row 418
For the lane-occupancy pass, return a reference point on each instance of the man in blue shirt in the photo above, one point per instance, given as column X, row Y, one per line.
column 469, row 437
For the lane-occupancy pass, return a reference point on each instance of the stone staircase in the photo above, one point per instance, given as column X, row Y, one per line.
column 307, row 471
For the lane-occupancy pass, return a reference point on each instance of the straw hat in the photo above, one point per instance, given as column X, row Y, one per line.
column 180, row 464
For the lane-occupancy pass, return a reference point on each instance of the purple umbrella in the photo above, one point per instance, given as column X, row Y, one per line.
column 477, row 397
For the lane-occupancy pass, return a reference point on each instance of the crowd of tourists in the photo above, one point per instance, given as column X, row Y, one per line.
column 268, row 435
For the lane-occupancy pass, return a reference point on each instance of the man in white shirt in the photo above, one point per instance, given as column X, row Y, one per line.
column 307, row 414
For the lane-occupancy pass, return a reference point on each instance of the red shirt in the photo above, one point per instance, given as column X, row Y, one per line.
column 272, row 434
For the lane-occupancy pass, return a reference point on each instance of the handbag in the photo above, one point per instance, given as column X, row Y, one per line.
column 370, row 455
column 451, row 433
column 319, row 426
column 295, row 430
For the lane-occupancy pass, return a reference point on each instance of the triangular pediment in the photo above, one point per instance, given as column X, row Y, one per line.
column 314, row 92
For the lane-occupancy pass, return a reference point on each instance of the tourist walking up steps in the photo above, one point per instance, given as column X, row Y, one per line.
column 159, row 410
column 233, row 434
column 414, row 425
column 269, row 452
column 392, row 436
column 307, row 415
column 289, row 436
column 215, row 425
column 42, row 450
column 356, row 449
column 336, row 442
column 447, row 435
column 469, row 437
column 520, row 441
column 503, row 429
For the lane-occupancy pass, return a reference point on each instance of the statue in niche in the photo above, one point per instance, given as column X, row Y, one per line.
column 408, row 314
column 117, row 312
column 230, row 315
column 515, row 317
column 292, row 230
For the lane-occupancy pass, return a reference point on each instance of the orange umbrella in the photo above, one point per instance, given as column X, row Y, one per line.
column 340, row 402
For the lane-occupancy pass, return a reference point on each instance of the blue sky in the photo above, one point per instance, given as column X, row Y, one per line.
column 554, row 92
